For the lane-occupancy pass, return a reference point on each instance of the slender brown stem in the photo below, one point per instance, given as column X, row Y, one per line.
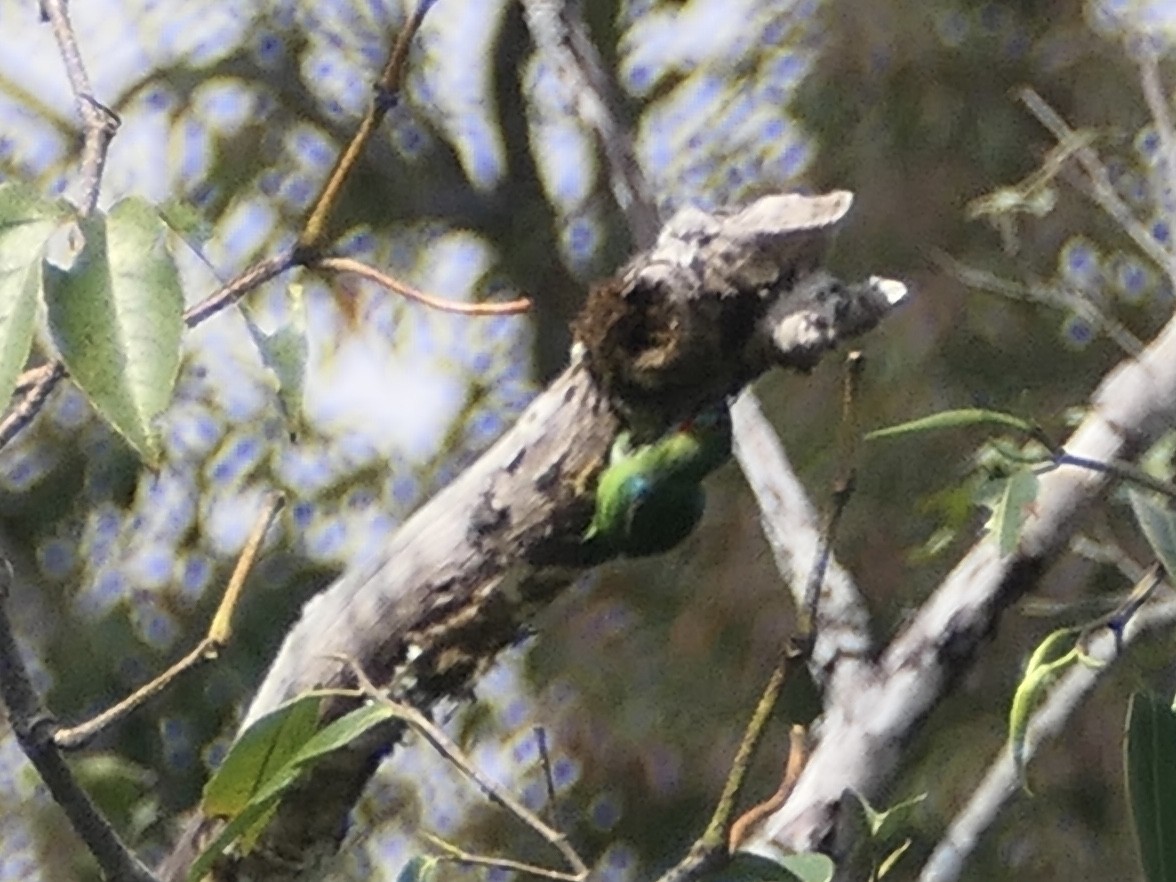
column 350, row 265
column 314, row 231
column 219, row 633
column 454, row 754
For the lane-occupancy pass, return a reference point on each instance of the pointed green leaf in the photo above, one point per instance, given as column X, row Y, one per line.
column 419, row 869
column 230, row 833
column 258, row 754
column 809, row 866
column 891, row 859
column 747, row 867
column 884, row 824
column 267, row 759
column 284, row 352
column 1055, row 653
column 1158, row 523
column 1149, row 755
column 27, row 221
column 116, row 318
column 343, row 731
column 1020, row 492
column 954, row 419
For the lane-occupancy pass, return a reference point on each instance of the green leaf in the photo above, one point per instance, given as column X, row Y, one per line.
column 885, row 824
column 343, row 731
column 1055, row 653
column 1149, row 758
column 280, row 746
column 418, row 869
column 746, row 867
column 1020, row 492
column 891, row 859
column 954, row 419
column 1158, row 523
column 232, row 831
column 258, row 755
column 116, row 317
column 186, row 221
column 810, row 866
column 284, row 352
column 27, row 221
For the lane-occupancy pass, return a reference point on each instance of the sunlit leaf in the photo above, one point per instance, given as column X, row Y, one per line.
column 116, row 318
column 745, row 867
column 257, row 756
column 886, row 823
column 891, row 859
column 1149, row 756
column 27, row 221
column 1055, row 653
column 954, row 419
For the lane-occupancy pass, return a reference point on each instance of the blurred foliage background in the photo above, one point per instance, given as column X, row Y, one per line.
column 484, row 183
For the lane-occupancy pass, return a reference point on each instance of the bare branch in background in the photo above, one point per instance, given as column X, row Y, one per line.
column 562, row 36
column 1099, row 186
column 219, row 633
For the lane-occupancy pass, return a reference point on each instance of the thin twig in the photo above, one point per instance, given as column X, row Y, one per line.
column 30, row 405
column 712, row 848
column 30, row 378
column 459, row 855
column 793, row 764
column 548, row 776
column 234, row 290
column 219, row 633
column 33, row 728
column 1161, row 114
column 99, row 123
column 314, row 230
column 1121, row 469
column 561, row 35
column 350, row 265
column 1038, row 292
column 454, row 754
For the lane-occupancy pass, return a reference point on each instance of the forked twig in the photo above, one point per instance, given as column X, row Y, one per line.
column 496, row 794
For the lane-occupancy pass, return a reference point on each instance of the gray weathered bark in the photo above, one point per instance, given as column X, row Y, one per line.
column 717, row 300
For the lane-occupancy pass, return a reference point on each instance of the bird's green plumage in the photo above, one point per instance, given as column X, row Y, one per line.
column 650, row 497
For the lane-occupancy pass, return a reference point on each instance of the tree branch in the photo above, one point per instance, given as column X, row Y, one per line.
column 865, row 729
column 719, row 299
column 34, row 729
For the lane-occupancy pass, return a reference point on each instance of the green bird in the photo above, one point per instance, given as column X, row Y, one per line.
column 650, row 497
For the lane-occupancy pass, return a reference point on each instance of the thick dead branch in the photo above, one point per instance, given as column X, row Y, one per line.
column 717, row 300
